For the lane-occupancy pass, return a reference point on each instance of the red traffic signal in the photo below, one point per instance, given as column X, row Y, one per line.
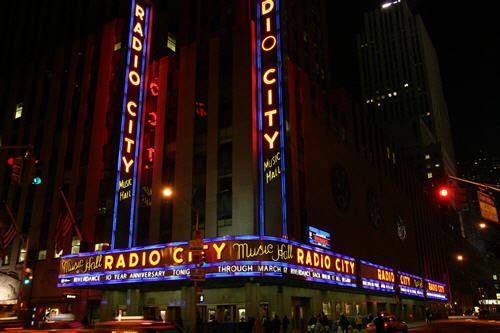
column 10, row 161
column 443, row 192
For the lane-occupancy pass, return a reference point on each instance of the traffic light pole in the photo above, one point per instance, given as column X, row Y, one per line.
column 474, row 183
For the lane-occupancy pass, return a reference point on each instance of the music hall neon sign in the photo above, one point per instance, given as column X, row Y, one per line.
column 270, row 117
column 130, row 134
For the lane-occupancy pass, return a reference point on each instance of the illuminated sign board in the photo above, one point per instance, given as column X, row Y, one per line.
column 225, row 257
column 435, row 290
column 376, row 277
column 319, row 237
column 124, row 212
column 272, row 184
column 410, row 284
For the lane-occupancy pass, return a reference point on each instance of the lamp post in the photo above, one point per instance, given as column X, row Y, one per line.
column 167, row 192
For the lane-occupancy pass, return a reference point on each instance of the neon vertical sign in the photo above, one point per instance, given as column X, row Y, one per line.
column 124, row 213
column 272, row 191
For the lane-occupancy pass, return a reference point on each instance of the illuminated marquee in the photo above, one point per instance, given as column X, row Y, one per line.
column 410, row 284
column 225, row 257
column 130, row 134
column 435, row 290
column 272, row 202
column 376, row 277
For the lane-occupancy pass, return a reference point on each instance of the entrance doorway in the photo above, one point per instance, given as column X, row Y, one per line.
column 300, row 313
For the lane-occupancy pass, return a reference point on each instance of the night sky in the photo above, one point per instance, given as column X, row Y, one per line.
column 466, row 37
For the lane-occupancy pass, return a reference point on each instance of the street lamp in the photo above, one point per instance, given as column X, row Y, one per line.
column 460, row 257
column 482, row 225
column 168, row 192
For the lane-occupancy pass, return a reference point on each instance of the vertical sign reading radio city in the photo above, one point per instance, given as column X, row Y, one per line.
column 124, row 212
column 272, row 202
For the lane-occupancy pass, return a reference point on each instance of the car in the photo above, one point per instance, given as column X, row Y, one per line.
column 136, row 326
column 391, row 324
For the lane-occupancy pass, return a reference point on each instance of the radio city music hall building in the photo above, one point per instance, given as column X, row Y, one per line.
column 303, row 206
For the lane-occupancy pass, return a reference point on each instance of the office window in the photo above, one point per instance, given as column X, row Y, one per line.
column 42, row 254
column 427, row 156
column 429, row 175
column 171, row 42
column 22, row 255
column 75, row 245
column 19, row 111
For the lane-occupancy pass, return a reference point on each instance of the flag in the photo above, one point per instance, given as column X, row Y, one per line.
column 63, row 227
column 8, row 236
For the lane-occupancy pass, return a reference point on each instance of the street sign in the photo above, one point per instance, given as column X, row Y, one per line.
column 487, row 206
column 196, row 245
column 198, row 274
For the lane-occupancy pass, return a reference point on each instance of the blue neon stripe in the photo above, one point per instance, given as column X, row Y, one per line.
column 136, row 180
column 282, row 130
column 410, row 275
column 259, row 106
column 117, row 188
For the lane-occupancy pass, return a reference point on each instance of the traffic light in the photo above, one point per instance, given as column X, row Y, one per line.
column 17, row 169
column 444, row 192
column 203, row 259
column 28, row 276
column 36, row 172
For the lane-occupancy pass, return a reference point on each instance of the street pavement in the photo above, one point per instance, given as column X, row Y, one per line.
column 457, row 326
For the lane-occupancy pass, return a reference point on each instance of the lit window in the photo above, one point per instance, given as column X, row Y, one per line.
column 389, row 94
column 367, row 101
column 494, row 276
column 75, row 245
column 427, row 156
column 406, row 85
column 371, row 100
column 383, row 96
column 171, row 42
column 22, row 254
column 42, row 254
column 395, row 93
column 428, row 166
column 6, row 259
column 437, row 165
column 429, row 175
column 378, row 104
column 428, row 114
column 101, row 246
column 118, row 46
column 388, row 152
column 19, row 111
column 393, row 158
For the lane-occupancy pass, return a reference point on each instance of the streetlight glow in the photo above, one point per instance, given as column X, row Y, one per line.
column 167, row 192
column 460, row 257
column 443, row 192
column 482, row 225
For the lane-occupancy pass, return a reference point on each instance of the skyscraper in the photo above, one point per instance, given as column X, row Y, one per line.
column 401, row 87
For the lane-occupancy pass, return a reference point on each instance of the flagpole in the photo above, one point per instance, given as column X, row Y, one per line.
column 13, row 220
column 73, row 222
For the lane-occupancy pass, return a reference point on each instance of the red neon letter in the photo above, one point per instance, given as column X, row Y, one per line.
column 129, row 108
column 177, row 260
column 134, row 78
column 265, row 79
column 219, row 249
column 300, row 256
column 138, row 29
column 127, row 165
column 133, row 260
column 139, row 12
column 271, row 140
column 108, row 262
column 154, row 253
column 136, row 44
column 129, row 143
column 273, row 43
column 267, row 6
column 270, row 115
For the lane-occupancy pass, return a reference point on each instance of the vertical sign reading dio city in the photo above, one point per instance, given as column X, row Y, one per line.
column 272, row 194
column 124, row 212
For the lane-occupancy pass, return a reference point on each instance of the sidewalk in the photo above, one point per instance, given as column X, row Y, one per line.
column 414, row 324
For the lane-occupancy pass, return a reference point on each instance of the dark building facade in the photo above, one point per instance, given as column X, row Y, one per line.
column 228, row 104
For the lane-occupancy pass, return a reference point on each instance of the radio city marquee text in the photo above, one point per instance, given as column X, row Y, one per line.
column 264, row 257
column 132, row 103
column 269, row 93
